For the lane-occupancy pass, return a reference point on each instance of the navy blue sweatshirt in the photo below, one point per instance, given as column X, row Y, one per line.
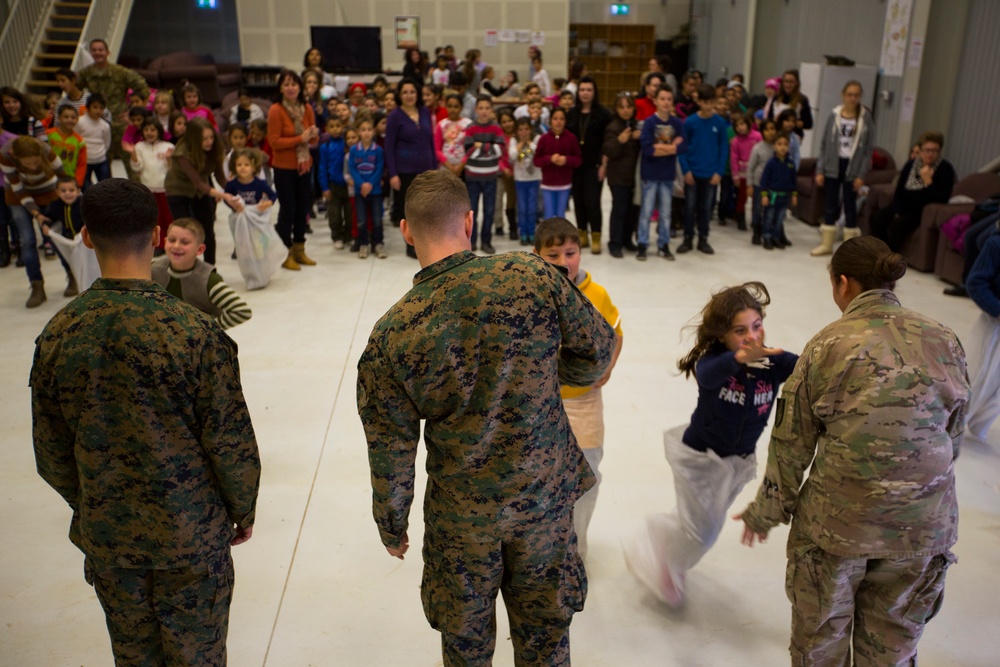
column 70, row 217
column 778, row 179
column 734, row 402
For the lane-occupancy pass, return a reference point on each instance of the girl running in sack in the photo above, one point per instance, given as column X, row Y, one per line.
column 713, row 457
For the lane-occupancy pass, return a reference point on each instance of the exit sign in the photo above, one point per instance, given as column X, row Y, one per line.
column 207, row 4
column 620, row 10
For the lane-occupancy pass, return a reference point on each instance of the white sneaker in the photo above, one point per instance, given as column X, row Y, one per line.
column 339, row 245
column 380, row 251
column 363, row 252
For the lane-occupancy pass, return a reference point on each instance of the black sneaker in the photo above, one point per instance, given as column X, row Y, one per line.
column 616, row 252
column 640, row 253
column 355, row 246
column 768, row 244
column 756, row 238
column 488, row 249
column 785, row 242
column 704, row 247
column 665, row 253
column 957, row 290
column 685, row 247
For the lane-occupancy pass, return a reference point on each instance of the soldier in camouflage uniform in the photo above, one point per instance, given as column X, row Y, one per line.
column 879, row 398
column 478, row 348
column 141, row 426
column 113, row 82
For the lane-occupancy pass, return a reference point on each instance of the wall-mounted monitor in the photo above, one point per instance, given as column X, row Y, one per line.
column 349, row 49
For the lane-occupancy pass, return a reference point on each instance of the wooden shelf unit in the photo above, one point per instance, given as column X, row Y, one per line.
column 615, row 55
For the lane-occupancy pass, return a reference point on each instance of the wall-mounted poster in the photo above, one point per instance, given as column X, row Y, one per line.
column 895, row 37
column 407, row 32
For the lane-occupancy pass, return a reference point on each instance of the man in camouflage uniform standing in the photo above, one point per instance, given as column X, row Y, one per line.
column 140, row 425
column 478, row 348
column 879, row 398
column 113, row 81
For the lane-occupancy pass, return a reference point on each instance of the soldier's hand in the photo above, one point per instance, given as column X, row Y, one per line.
column 242, row 535
column 399, row 551
column 749, row 537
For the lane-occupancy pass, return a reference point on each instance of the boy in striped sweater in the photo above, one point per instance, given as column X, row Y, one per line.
column 484, row 147
column 193, row 280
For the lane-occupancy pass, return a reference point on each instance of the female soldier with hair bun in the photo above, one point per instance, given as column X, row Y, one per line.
column 877, row 405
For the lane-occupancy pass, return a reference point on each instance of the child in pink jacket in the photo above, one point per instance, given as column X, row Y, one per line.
column 739, row 155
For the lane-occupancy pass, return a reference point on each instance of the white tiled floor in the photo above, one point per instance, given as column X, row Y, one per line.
column 315, row 587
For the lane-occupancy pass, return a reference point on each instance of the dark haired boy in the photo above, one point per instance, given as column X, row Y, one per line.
column 96, row 131
column 141, row 426
column 484, row 147
column 65, row 218
column 703, row 162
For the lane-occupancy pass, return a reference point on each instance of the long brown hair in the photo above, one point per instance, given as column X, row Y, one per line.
column 717, row 318
column 795, row 98
column 195, row 153
column 25, row 146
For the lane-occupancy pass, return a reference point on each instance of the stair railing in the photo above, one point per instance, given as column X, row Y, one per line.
column 23, row 30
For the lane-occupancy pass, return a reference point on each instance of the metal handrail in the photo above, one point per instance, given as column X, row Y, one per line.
column 991, row 167
column 20, row 34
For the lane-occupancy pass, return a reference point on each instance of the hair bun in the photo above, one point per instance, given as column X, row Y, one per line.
column 890, row 268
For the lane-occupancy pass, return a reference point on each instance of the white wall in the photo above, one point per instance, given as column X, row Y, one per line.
column 276, row 32
column 666, row 15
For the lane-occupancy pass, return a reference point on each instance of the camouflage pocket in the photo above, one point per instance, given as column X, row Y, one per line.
column 927, row 595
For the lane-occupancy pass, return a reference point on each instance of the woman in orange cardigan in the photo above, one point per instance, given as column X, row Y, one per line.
column 291, row 130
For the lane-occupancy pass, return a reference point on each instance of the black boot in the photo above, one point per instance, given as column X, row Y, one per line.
column 511, row 223
column 4, row 253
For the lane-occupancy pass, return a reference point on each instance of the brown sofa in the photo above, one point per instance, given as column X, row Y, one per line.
column 214, row 80
column 812, row 197
column 948, row 262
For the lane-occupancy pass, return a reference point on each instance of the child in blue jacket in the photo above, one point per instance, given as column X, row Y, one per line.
column 777, row 188
column 366, row 164
column 333, row 185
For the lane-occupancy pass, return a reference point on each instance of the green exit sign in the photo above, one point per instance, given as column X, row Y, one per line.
column 208, row 4
column 620, row 10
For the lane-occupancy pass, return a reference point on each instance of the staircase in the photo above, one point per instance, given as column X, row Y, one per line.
column 58, row 47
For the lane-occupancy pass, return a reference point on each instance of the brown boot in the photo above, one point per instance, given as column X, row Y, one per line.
column 290, row 262
column 584, row 239
column 71, row 287
column 595, row 243
column 37, row 296
column 299, row 252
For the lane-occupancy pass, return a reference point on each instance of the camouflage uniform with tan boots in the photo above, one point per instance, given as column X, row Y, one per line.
column 877, row 406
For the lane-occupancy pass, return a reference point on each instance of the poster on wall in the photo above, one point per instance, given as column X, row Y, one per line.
column 538, row 38
column 407, row 32
column 895, row 37
column 491, row 37
column 507, row 35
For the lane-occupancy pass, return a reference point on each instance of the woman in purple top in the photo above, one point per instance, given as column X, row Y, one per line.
column 409, row 146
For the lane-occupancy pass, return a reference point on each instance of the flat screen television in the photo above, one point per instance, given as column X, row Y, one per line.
column 349, row 49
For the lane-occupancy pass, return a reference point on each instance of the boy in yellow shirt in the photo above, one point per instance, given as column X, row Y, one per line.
column 558, row 243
